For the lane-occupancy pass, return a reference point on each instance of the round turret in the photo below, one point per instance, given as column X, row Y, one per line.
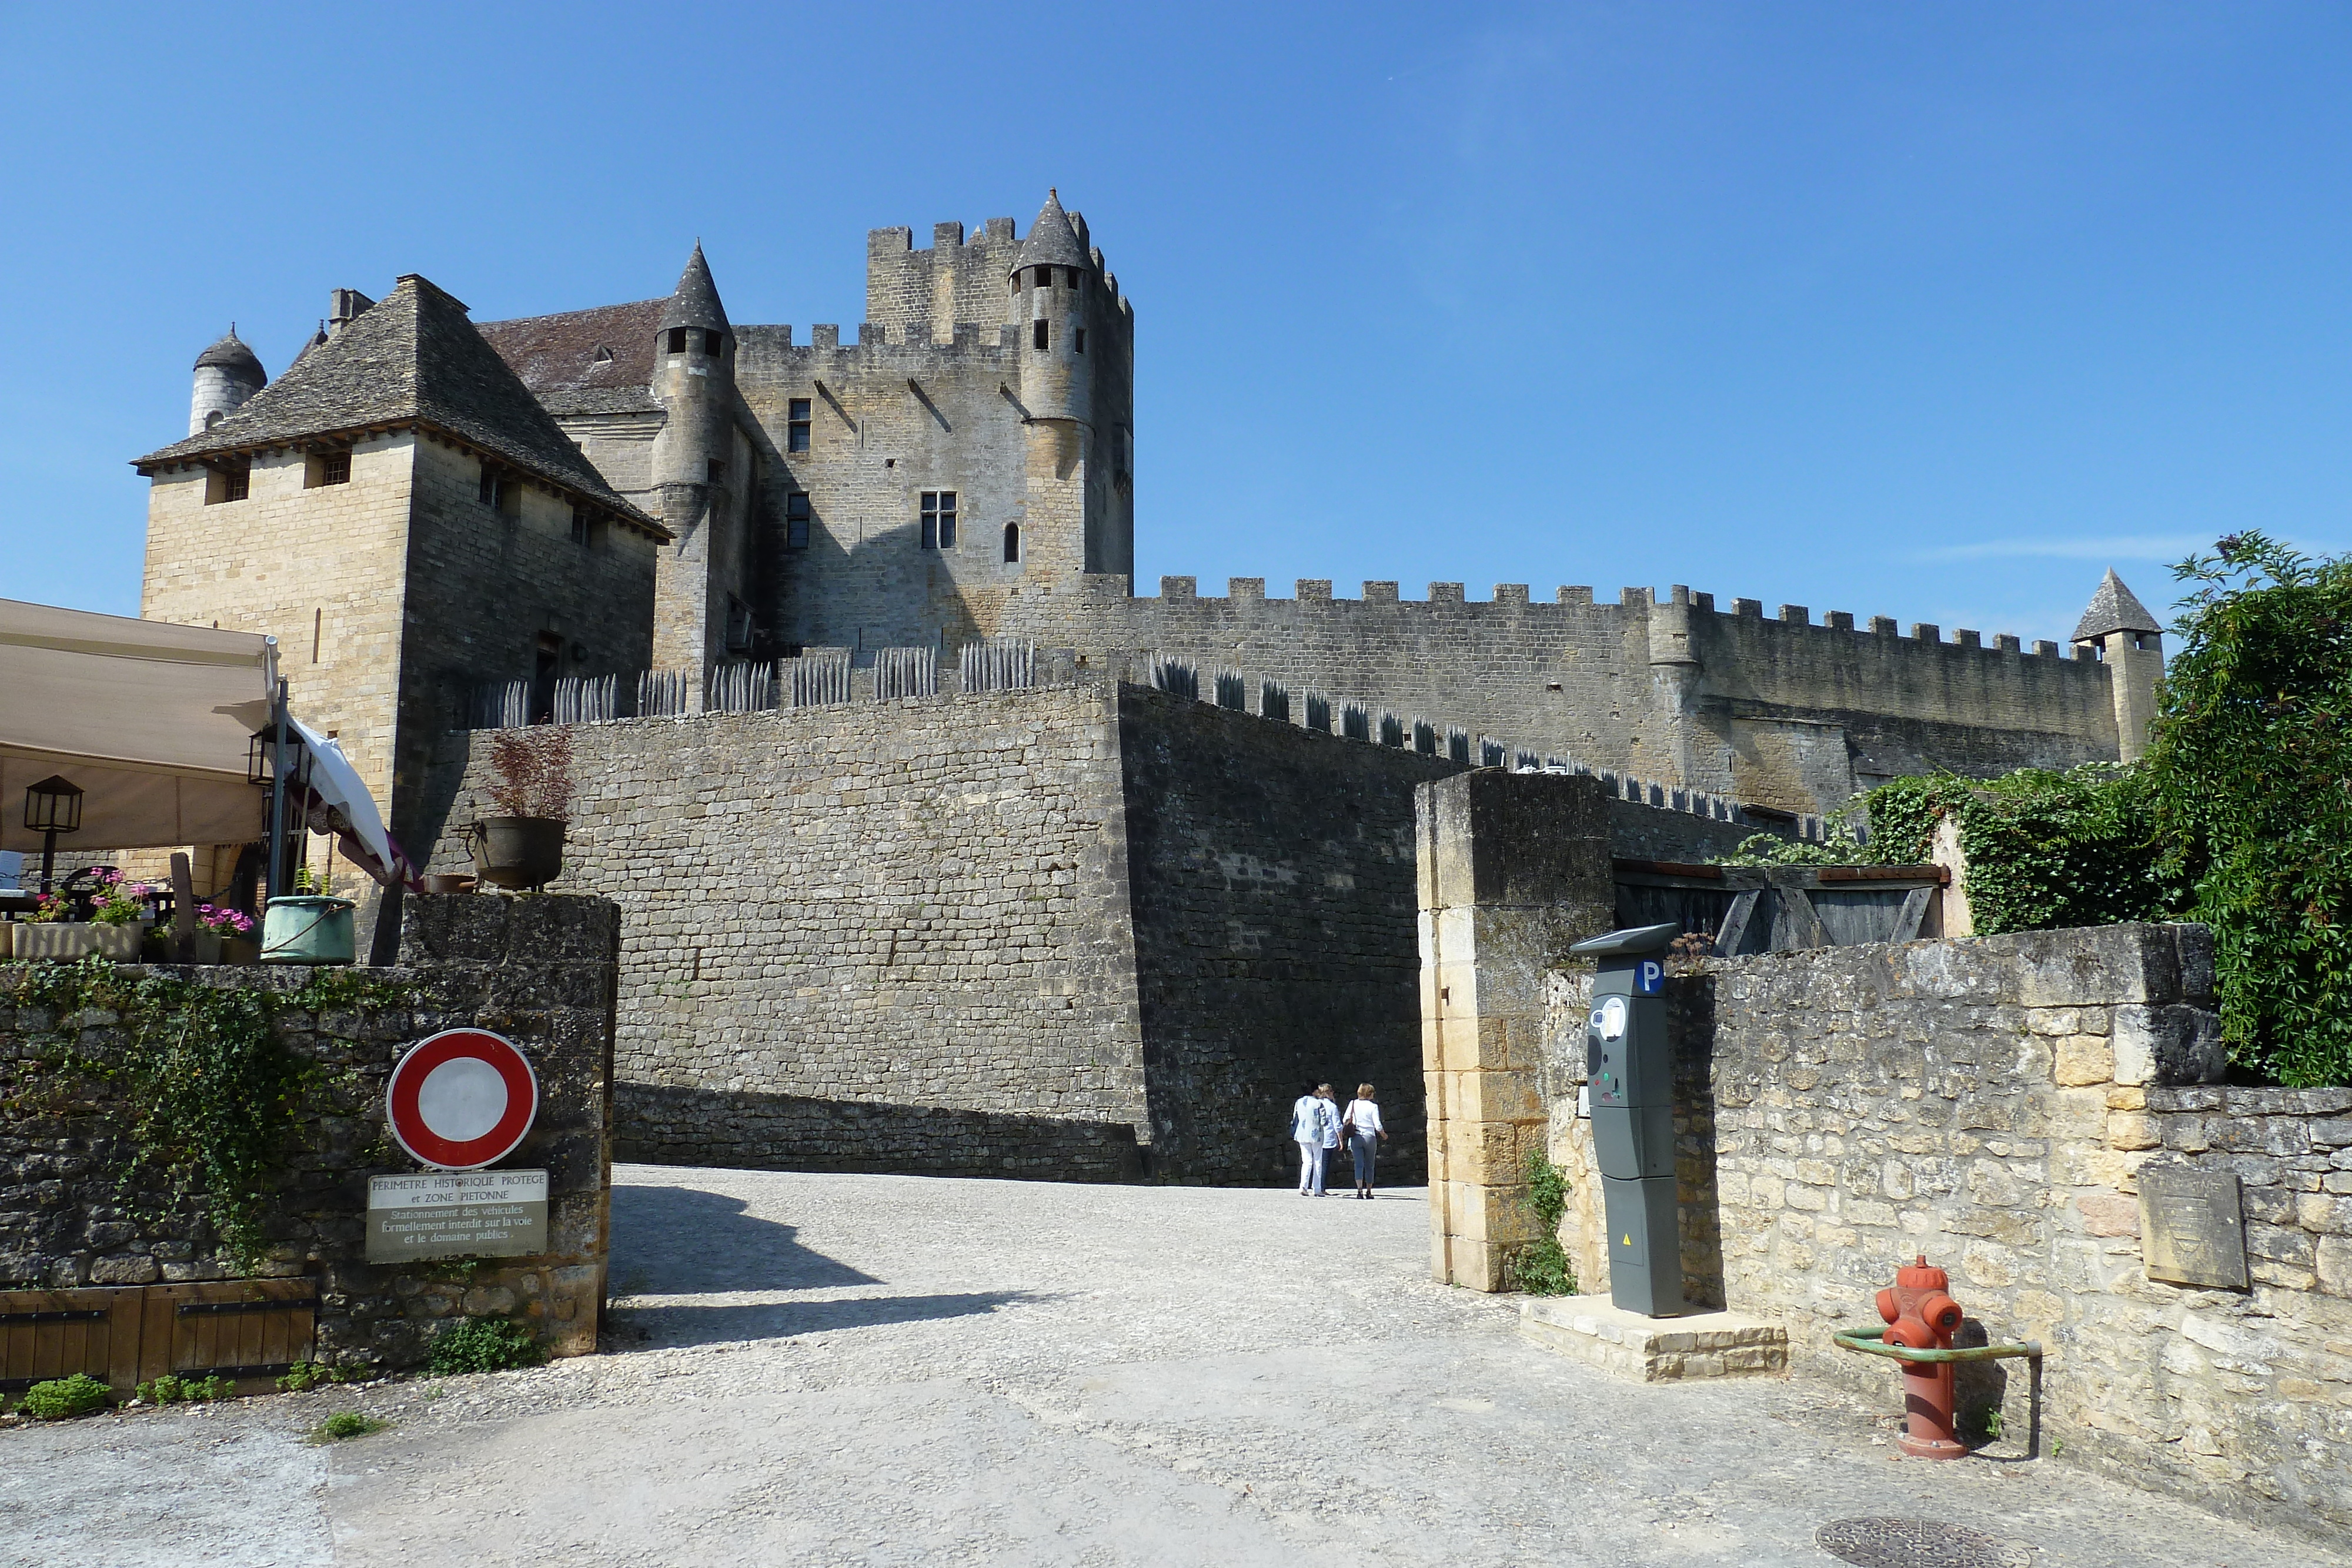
column 1052, row 275
column 694, row 377
column 226, row 374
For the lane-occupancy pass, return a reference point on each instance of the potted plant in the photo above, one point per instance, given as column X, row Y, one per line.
column 531, row 785
column 224, row 935
column 112, row 931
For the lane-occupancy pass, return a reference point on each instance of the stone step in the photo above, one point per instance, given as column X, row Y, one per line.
column 1592, row 1329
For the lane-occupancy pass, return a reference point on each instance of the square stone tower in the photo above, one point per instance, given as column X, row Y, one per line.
column 401, row 514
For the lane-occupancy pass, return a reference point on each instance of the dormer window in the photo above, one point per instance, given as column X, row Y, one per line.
column 500, row 492
column 228, row 483
column 603, row 354
column 677, row 339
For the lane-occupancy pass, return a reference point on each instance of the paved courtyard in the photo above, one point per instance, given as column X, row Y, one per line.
column 834, row 1369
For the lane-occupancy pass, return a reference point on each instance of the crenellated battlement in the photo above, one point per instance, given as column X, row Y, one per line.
column 1514, row 597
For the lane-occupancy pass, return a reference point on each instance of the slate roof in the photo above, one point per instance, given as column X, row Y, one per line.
column 556, row 356
column 2114, row 608
column 1052, row 241
column 228, row 351
column 694, row 301
column 414, row 358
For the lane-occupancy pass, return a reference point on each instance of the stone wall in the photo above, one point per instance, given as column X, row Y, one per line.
column 1994, row 1103
column 907, row 907
column 1273, row 897
column 539, row 971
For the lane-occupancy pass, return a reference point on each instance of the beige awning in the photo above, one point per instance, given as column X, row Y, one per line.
column 150, row 719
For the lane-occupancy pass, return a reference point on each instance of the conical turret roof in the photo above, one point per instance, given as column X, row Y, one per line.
column 309, row 343
column 694, row 301
column 1052, row 241
column 2114, row 608
column 229, row 353
column 415, row 360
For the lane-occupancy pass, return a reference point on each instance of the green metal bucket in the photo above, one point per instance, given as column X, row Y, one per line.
column 307, row 928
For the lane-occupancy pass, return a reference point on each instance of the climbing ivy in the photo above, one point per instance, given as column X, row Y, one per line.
column 210, row 1090
column 1541, row 1267
column 2250, row 763
column 2043, row 848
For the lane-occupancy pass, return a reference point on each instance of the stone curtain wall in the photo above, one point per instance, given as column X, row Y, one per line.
column 846, row 921
column 1992, row 1102
column 1274, row 899
column 539, row 971
column 1513, row 869
column 1779, row 711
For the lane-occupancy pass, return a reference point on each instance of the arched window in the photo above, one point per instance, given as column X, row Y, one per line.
column 1011, row 543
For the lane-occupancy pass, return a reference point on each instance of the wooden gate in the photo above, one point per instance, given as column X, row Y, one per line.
column 1778, row 909
column 126, row 1335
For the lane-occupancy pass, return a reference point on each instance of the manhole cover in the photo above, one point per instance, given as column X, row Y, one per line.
column 1917, row 1543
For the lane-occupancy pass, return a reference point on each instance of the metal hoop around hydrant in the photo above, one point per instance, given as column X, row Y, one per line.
column 1921, row 1319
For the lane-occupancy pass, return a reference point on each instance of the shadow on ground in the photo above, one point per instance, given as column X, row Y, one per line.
column 680, row 1240
column 686, row 1324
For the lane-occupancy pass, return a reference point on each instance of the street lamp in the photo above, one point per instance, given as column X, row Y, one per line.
column 260, row 758
column 52, row 807
column 275, row 760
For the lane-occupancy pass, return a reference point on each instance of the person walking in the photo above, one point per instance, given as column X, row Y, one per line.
column 1365, row 1136
column 1330, row 1104
column 1307, row 1113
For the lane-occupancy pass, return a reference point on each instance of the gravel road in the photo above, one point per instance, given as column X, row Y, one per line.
column 848, row 1369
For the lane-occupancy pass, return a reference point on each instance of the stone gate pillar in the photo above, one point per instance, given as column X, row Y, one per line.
column 1513, row 868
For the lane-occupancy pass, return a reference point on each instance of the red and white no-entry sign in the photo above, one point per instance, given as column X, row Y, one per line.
column 462, row 1099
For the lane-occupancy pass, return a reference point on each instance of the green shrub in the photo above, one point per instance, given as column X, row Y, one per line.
column 305, row 1376
column 1540, row 1266
column 1770, row 849
column 345, row 1424
column 170, row 1389
column 65, row 1397
column 485, row 1345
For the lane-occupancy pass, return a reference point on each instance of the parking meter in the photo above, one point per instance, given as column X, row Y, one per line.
column 1630, row 1075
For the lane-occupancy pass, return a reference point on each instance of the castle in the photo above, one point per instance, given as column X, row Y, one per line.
column 973, row 866
column 420, row 506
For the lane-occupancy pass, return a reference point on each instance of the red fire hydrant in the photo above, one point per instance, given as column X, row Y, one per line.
column 1922, row 1316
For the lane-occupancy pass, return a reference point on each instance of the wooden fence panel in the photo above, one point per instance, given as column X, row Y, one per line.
column 46, row 1334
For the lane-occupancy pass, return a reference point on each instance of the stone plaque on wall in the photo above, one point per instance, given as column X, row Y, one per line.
column 2192, row 1230
column 457, row 1214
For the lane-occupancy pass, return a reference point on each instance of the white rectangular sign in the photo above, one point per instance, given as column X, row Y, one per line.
column 457, row 1214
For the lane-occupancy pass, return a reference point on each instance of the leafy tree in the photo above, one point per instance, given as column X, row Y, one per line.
column 2250, row 780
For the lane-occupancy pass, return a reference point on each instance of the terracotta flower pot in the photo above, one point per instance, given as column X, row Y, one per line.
column 517, row 851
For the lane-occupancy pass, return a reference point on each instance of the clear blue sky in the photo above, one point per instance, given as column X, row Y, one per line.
column 1927, row 311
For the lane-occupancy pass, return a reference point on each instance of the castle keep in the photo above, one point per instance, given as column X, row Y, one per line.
column 869, row 755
